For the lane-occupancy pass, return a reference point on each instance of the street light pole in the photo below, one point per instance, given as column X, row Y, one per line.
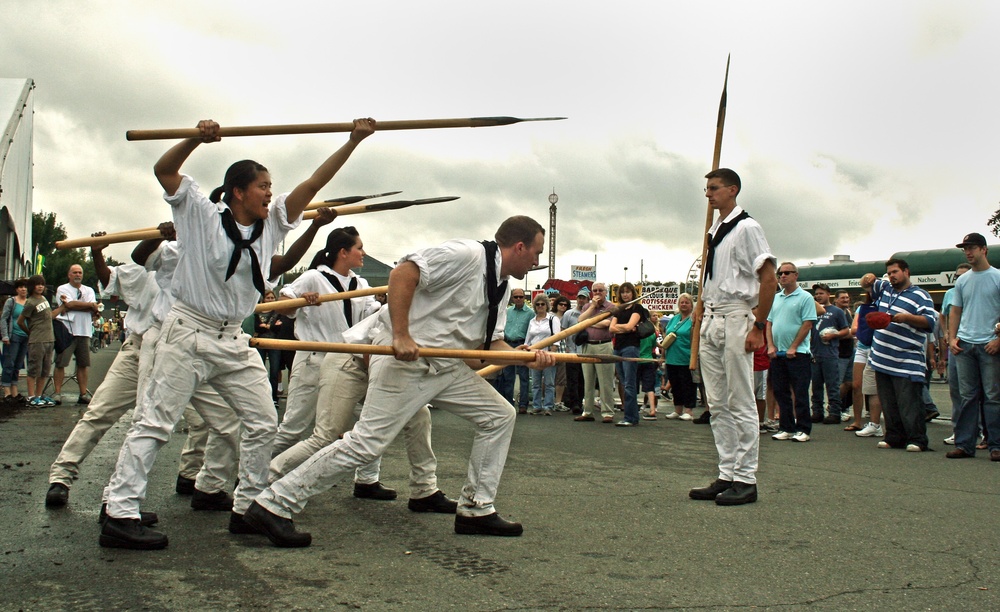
column 552, row 233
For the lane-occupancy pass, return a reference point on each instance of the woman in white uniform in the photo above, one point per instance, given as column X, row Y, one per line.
column 226, row 243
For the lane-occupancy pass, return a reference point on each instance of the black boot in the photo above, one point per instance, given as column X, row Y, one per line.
column 740, row 493
column 128, row 533
column 711, row 491
column 218, row 502
column 146, row 519
column 374, row 490
column 278, row 529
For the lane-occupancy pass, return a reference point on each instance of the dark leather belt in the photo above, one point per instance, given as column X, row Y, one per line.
column 599, row 342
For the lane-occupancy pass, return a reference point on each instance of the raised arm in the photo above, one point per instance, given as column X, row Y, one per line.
column 300, row 197
column 168, row 168
column 285, row 262
column 100, row 264
column 144, row 249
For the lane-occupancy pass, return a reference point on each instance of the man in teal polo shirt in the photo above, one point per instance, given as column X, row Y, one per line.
column 789, row 327
column 518, row 317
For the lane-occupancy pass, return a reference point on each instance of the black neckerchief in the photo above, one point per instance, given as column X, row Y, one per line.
column 714, row 240
column 234, row 234
column 348, row 311
column 494, row 292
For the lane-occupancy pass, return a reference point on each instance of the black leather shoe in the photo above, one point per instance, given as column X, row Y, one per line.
column 817, row 419
column 278, row 529
column 374, row 490
column 146, row 519
column 704, row 419
column 711, row 491
column 238, row 526
column 58, row 495
column 185, row 486
column 217, row 502
column 740, row 493
column 128, row 533
column 831, row 420
column 435, row 502
column 491, row 524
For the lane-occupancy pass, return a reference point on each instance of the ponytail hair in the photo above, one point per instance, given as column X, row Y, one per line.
column 339, row 238
column 241, row 174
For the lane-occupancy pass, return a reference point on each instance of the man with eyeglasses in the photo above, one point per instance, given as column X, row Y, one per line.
column 519, row 315
column 739, row 275
column 789, row 340
column 80, row 303
column 598, row 343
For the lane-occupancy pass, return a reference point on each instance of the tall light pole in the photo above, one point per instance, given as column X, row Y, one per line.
column 552, row 233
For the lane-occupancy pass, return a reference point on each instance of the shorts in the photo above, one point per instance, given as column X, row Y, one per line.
column 40, row 359
column 80, row 348
column 760, row 384
column 868, row 378
column 647, row 377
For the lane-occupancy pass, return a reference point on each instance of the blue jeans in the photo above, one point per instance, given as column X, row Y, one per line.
column 978, row 382
column 13, row 357
column 627, row 371
column 505, row 385
column 544, row 378
column 792, row 376
column 826, row 371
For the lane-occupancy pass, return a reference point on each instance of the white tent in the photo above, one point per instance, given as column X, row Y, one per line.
column 16, row 161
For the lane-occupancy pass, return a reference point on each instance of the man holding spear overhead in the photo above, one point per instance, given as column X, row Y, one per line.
column 451, row 295
column 739, row 274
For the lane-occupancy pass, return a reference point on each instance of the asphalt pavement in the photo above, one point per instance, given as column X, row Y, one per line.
column 840, row 524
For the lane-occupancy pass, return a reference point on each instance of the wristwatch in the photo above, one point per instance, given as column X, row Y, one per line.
column 760, row 325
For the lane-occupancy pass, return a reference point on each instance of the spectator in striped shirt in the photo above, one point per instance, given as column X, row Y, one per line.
column 897, row 355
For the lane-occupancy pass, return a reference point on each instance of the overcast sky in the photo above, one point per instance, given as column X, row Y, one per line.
column 858, row 127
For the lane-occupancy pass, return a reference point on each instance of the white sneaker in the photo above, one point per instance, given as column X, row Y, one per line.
column 672, row 415
column 844, row 417
column 783, row 435
column 913, row 448
column 686, row 417
column 801, row 437
column 884, row 444
column 950, row 440
column 871, row 430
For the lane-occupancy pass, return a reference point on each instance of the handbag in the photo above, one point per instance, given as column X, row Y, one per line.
column 581, row 338
column 645, row 329
column 668, row 340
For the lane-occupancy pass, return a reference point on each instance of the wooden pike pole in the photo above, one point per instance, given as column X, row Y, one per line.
column 151, row 234
column 325, row 297
column 566, row 333
column 374, row 349
column 318, row 128
column 709, row 218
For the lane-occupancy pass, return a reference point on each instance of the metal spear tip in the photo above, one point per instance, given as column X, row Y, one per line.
column 353, row 199
column 537, row 268
column 490, row 121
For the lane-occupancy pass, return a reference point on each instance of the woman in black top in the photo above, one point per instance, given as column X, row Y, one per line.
column 626, row 343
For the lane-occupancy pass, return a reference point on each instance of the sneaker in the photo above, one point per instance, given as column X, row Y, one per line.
column 624, row 424
column 686, row 417
column 913, row 448
column 801, row 436
column 672, row 415
column 769, row 426
column 546, row 413
column 48, row 400
column 883, row 444
column 871, row 430
column 561, row 407
column 783, row 435
column 649, row 417
column 844, row 417
column 83, row 399
column 37, row 402
column 950, row 440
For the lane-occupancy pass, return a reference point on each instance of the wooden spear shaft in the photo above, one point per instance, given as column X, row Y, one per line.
column 319, row 128
column 373, row 349
column 325, row 297
column 566, row 333
column 150, row 234
column 709, row 217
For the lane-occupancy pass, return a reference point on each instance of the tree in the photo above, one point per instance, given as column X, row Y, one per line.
column 994, row 223
column 46, row 231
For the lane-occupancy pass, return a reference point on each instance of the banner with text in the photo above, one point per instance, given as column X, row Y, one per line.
column 583, row 273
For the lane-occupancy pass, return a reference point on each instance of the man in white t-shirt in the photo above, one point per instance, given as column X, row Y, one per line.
column 80, row 304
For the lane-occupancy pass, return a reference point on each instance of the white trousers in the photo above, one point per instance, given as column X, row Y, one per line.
column 343, row 382
column 193, row 350
column 300, row 406
column 727, row 371
column 398, row 390
column 605, row 375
